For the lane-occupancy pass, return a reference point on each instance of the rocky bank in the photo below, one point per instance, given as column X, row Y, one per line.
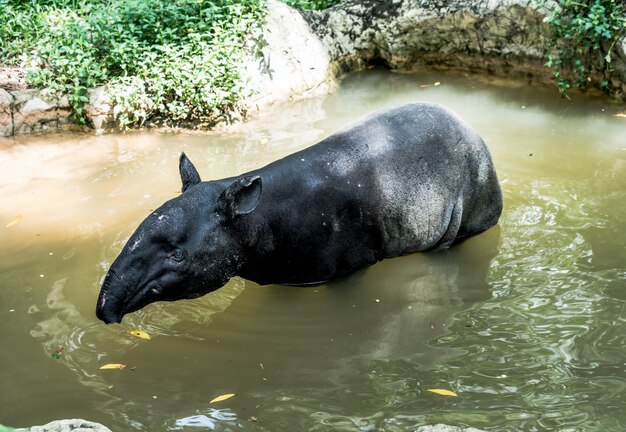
column 302, row 54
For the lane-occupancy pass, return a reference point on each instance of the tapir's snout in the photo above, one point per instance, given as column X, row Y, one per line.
column 107, row 315
column 109, row 308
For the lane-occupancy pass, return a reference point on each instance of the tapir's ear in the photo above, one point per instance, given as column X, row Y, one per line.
column 242, row 196
column 188, row 173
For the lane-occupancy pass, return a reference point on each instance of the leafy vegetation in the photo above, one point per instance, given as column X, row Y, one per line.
column 175, row 60
column 582, row 39
column 311, row 4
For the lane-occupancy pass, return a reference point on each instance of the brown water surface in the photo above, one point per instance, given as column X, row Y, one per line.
column 526, row 322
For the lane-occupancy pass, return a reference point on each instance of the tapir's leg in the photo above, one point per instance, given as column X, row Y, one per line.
column 453, row 227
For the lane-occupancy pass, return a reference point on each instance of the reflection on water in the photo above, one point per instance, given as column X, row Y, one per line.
column 210, row 420
column 526, row 322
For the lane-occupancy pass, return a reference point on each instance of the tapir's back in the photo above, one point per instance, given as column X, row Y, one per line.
column 401, row 180
column 419, row 161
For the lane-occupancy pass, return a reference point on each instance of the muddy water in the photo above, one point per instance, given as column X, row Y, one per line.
column 526, row 323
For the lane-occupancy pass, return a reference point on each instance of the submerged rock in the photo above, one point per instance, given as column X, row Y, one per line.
column 445, row 428
column 72, row 425
column 79, row 425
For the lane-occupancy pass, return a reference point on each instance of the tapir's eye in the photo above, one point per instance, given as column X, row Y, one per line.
column 178, row 255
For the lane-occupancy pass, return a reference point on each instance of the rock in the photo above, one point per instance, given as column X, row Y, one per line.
column 445, row 428
column 11, row 78
column 73, row 425
column 39, row 110
column 286, row 60
column 79, row 425
column 618, row 68
column 6, row 113
column 98, row 111
column 408, row 34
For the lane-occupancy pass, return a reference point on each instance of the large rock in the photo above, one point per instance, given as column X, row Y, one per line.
column 301, row 54
column 286, row 60
column 502, row 36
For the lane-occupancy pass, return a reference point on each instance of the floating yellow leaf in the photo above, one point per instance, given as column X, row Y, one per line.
column 437, row 84
column 621, row 114
column 14, row 221
column 222, row 397
column 113, row 366
column 140, row 334
column 442, row 392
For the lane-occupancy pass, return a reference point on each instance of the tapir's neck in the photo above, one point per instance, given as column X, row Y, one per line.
column 258, row 244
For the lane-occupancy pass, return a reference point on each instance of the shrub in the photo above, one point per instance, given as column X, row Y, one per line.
column 582, row 38
column 311, row 4
column 161, row 58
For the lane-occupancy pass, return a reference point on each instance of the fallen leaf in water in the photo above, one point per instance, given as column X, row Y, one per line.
column 57, row 354
column 222, row 397
column 140, row 334
column 442, row 392
column 621, row 114
column 14, row 221
column 437, row 83
column 113, row 366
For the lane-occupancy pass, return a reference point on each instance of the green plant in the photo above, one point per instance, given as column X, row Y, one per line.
column 311, row 4
column 582, row 39
column 161, row 58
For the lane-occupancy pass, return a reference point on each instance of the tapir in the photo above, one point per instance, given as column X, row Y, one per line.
column 406, row 179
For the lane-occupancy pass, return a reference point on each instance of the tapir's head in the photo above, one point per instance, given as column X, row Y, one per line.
column 184, row 249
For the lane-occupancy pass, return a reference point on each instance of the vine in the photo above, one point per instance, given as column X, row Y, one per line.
column 581, row 40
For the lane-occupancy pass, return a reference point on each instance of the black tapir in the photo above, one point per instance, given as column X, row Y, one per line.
column 406, row 179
